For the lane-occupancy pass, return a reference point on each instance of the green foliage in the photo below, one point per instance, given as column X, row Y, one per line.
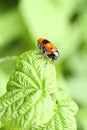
column 33, row 101
column 63, row 22
column 8, row 68
column 11, row 27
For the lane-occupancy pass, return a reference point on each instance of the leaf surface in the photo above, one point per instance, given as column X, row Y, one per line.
column 28, row 100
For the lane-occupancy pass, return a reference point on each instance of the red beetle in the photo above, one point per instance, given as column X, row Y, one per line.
column 48, row 48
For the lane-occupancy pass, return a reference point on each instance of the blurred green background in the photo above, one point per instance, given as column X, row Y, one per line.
column 63, row 22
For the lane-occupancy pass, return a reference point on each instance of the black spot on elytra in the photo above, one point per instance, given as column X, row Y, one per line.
column 45, row 41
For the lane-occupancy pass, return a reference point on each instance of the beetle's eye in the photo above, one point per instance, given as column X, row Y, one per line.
column 53, row 54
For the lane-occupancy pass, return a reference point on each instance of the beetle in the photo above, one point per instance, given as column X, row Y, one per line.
column 48, row 48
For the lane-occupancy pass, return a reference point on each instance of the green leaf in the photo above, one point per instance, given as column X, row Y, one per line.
column 65, row 110
column 33, row 101
column 31, row 71
column 28, row 101
column 65, row 100
column 6, row 68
